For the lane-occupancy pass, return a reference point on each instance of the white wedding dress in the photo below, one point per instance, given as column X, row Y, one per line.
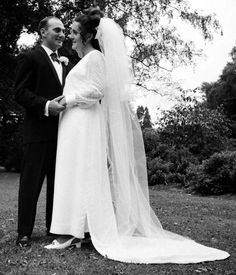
column 121, row 223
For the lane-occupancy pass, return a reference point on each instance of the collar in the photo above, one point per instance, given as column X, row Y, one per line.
column 48, row 51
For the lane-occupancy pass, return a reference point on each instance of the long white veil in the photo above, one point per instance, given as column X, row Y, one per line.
column 140, row 232
column 127, row 163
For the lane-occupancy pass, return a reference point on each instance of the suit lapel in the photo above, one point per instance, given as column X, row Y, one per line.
column 51, row 65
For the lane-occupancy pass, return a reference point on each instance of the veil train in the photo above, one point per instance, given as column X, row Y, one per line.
column 137, row 235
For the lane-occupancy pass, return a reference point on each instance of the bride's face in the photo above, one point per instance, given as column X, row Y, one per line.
column 77, row 43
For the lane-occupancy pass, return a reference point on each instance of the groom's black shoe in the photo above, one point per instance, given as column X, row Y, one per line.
column 23, row 241
column 86, row 239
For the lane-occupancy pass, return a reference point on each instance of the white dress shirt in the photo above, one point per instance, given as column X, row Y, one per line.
column 58, row 68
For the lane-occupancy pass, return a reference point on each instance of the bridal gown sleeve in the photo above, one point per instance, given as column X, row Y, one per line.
column 89, row 91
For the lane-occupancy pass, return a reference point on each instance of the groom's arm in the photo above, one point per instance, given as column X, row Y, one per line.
column 25, row 85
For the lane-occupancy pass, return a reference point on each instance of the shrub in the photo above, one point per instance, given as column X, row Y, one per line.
column 166, row 172
column 157, row 178
column 11, row 140
column 151, row 141
column 196, row 127
column 166, row 164
column 157, row 170
column 176, row 178
column 216, row 175
column 11, row 117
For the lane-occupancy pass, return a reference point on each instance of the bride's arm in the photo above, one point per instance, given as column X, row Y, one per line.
column 92, row 90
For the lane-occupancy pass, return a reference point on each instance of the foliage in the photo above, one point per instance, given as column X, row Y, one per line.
column 216, row 175
column 18, row 14
column 11, row 125
column 165, row 164
column 223, row 92
column 157, row 169
column 186, row 135
column 140, row 112
column 144, row 117
column 151, row 141
column 11, row 118
column 150, row 25
column 192, row 125
column 151, row 28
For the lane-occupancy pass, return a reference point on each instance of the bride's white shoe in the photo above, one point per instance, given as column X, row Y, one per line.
column 71, row 242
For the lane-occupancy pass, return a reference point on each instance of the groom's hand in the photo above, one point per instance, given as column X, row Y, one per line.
column 55, row 107
column 63, row 102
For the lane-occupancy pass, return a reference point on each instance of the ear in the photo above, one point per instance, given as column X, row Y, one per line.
column 42, row 31
column 89, row 37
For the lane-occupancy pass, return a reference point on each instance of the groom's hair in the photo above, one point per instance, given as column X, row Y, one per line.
column 43, row 24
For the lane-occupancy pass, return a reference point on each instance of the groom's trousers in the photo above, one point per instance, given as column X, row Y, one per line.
column 38, row 163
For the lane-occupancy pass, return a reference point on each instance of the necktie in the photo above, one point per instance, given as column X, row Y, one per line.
column 55, row 57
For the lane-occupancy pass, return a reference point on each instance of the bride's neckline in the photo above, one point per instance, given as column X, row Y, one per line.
column 84, row 59
column 91, row 52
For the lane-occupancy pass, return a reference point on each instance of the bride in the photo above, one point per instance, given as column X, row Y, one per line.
column 101, row 183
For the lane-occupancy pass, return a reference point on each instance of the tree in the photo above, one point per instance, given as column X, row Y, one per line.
column 144, row 117
column 11, row 118
column 150, row 25
column 19, row 14
column 140, row 113
column 192, row 125
column 223, row 91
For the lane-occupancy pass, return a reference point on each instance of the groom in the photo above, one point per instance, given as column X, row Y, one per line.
column 39, row 83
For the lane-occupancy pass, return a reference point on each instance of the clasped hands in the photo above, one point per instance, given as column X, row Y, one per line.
column 57, row 105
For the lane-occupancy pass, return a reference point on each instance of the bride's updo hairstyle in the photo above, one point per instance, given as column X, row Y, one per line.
column 89, row 21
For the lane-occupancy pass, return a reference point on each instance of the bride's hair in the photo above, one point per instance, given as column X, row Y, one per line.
column 89, row 21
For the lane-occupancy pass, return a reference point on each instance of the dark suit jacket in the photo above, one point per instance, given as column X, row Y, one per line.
column 36, row 82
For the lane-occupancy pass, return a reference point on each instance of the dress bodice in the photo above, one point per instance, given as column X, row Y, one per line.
column 86, row 81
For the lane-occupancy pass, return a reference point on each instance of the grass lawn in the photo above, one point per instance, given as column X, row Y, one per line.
column 208, row 220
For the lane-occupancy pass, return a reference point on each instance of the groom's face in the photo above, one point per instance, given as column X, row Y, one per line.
column 54, row 34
